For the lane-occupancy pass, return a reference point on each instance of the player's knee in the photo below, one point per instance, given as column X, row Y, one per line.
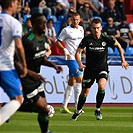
column 19, row 99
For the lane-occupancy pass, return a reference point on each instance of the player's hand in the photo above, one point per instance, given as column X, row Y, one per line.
column 59, row 69
column 67, row 54
column 81, row 67
column 24, row 72
column 21, row 70
column 125, row 65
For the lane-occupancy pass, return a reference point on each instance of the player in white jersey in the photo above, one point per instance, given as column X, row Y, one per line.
column 72, row 36
column 10, row 38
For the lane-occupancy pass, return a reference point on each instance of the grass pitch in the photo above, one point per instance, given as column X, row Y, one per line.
column 115, row 120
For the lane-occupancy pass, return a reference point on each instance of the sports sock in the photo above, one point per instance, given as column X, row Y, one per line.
column 99, row 98
column 81, row 102
column 77, row 91
column 43, row 123
column 8, row 110
column 67, row 96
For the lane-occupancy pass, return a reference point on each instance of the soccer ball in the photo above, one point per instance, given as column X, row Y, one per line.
column 51, row 111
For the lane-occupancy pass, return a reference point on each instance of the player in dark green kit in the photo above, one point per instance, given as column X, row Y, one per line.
column 96, row 67
column 36, row 49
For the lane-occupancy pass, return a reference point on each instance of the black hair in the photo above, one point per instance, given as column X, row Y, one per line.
column 5, row 3
column 96, row 21
column 35, row 16
column 50, row 20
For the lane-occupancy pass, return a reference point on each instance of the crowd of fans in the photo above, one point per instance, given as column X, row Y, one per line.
column 113, row 18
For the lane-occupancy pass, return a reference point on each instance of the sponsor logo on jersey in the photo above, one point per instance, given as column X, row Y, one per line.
column 103, row 43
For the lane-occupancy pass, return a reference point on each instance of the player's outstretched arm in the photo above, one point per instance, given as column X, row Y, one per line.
column 50, row 64
column 124, row 64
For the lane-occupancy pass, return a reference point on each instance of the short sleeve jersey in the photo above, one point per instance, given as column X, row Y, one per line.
column 72, row 38
column 96, row 51
column 35, row 51
column 9, row 29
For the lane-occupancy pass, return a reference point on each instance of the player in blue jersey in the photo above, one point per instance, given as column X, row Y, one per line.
column 96, row 67
column 10, row 38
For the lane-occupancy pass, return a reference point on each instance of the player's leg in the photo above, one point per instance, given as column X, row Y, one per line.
column 77, row 89
column 101, row 80
column 77, row 74
column 11, row 85
column 35, row 101
column 67, row 95
column 87, row 82
column 68, row 90
column 81, row 102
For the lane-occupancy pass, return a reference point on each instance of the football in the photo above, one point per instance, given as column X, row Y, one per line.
column 51, row 111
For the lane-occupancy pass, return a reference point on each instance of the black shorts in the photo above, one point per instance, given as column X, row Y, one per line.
column 90, row 76
column 32, row 89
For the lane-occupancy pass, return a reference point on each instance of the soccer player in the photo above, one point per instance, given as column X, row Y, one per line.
column 10, row 38
column 72, row 36
column 96, row 67
column 36, row 49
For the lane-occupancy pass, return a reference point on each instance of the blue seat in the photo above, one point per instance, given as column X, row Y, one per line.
column 62, row 18
column 57, row 26
column 52, row 17
column 25, row 17
column 129, row 51
column 110, row 51
column 117, row 52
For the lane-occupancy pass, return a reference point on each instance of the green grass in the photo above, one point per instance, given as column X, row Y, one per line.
column 115, row 120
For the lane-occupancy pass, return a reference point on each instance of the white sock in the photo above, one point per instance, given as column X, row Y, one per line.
column 67, row 95
column 77, row 91
column 8, row 110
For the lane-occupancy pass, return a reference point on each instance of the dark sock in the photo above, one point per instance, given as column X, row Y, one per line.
column 81, row 102
column 43, row 123
column 99, row 98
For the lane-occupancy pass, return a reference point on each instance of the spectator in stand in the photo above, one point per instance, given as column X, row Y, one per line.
column 80, row 4
column 66, row 23
column 64, row 4
column 131, row 30
column 112, row 30
column 50, row 32
column 26, row 8
column 86, row 15
column 26, row 27
column 120, row 5
column 125, row 33
column 73, row 3
column 46, row 11
column 34, row 6
column 60, row 10
column 19, row 15
column 52, row 5
column 113, row 12
column 98, row 4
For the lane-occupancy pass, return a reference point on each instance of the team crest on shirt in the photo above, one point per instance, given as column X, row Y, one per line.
column 103, row 43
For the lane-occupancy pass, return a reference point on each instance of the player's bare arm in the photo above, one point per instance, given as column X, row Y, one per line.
column 20, row 50
column 78, row 59
column 124, row 64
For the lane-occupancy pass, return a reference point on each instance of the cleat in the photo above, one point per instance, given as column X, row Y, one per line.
column 49, row 131
column 82, row 111
column 98, row 115
column 65, row 110
column 76, row 115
